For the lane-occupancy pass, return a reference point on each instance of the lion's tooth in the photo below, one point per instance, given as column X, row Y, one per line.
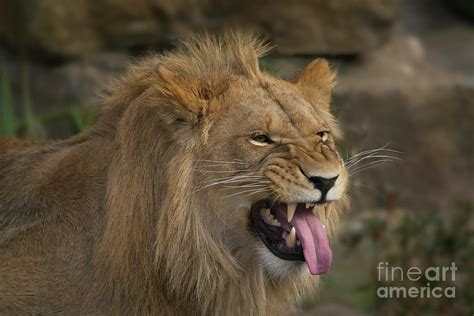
column 291, row 239
column 265, row 213
column 298, row 243
column 310, row 205
column 275, row 222
column 315, row 211
column 291, row 211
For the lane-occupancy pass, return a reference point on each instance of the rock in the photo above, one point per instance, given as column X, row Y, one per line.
column 463, row 7
column 414, row 100
column 447, row 39
column 457, row 42
column 58, row 28
column 403, row 97
column 396, row 98
column 320, row 26
column 65, row 29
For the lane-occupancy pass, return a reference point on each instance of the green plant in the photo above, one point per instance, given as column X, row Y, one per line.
column 7, row 118
column 415, row 239
column 81, row 119
column 35, row 126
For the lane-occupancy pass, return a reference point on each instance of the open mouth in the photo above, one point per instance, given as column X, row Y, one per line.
column 292, row 232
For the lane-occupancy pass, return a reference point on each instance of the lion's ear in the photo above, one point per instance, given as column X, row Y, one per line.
column 316, row 82
column 189, row 97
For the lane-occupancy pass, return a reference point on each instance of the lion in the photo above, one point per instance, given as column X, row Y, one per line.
column 206, row 186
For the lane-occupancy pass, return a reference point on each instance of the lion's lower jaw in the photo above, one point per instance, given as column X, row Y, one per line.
column 277, row 268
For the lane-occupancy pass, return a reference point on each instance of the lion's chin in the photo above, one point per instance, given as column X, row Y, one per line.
column 277, row 268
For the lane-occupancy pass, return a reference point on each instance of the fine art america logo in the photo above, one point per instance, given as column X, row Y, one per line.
column 427, row 277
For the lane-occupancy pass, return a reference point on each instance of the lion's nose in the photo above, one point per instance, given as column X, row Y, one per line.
column 323, row 184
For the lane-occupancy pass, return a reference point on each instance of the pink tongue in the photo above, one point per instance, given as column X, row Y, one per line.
column 314, row 240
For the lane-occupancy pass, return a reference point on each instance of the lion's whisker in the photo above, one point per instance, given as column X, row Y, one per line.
column 258, row 191
column 359, row 185
column 248, row 174
column 372, row 151
column 368, row 167
column 214, row 166
column 353, row 158
column 249, row 192
column 221, row 161
column 220, row 171
column 352, row 164
column 255, row 185
column 238, row 177
column 383, row 148
column 238, row 193
column 369, row 164
column 361, row 153
column 229, row 180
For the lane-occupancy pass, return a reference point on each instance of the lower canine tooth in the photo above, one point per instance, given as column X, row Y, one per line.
column 291, row 208
column 291, row 239
column 275, row 222
column 265, row 213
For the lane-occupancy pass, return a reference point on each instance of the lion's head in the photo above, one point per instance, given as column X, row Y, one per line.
column 230, row 176
column 272, row 171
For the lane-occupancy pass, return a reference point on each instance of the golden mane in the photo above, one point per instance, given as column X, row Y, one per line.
column 154, row 250
column 155, row 234
column 208, row 62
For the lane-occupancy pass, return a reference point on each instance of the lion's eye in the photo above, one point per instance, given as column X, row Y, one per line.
column 260, row 139
column 324, row 135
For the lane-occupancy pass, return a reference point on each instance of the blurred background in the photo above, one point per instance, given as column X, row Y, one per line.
column 406, row 82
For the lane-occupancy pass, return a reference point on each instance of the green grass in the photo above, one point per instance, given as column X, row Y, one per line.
column 81, row 119
column 30, row 125
column 7, row 118
column 33, row 129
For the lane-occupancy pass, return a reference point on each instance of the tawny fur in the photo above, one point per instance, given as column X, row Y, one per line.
column 110, row 221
